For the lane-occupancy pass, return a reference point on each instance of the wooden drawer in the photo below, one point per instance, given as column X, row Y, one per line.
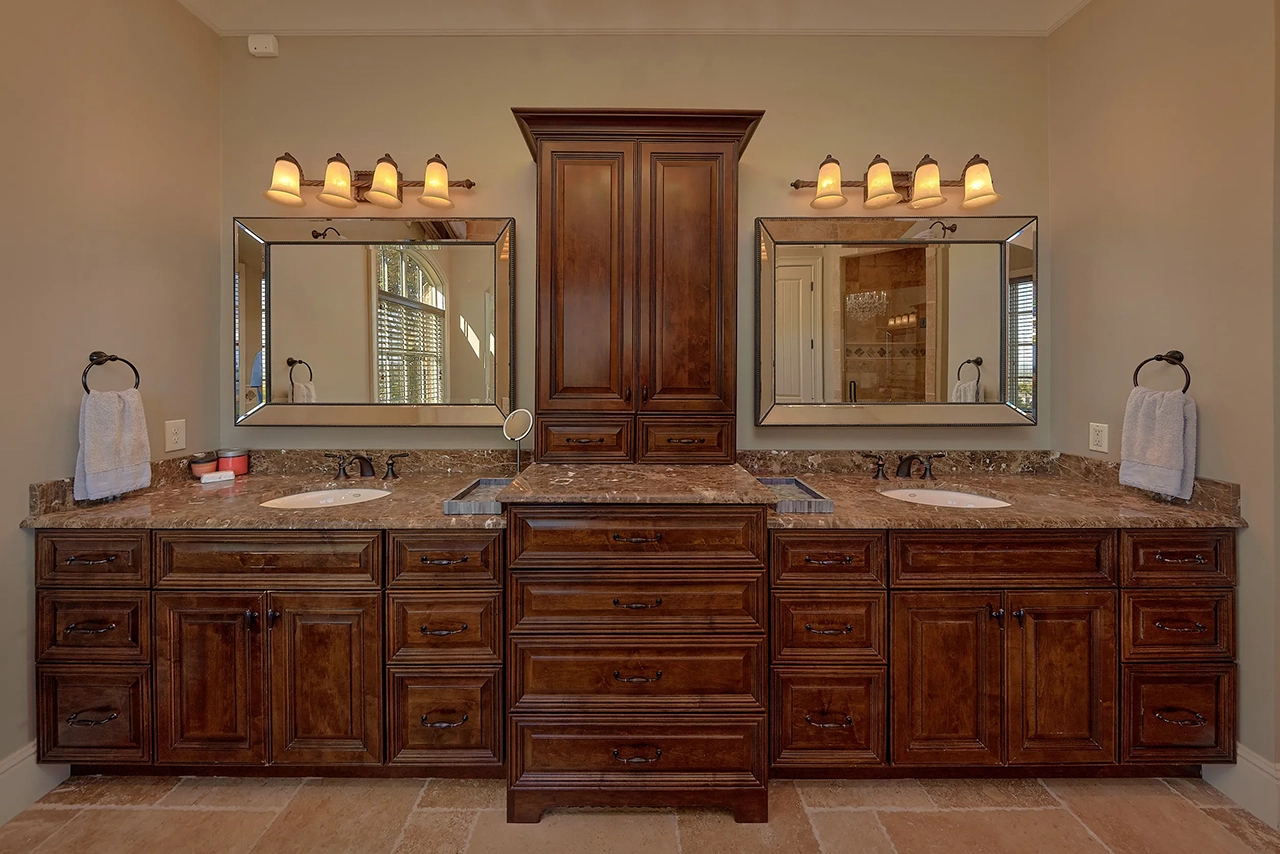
column 724, row 600
column 93, row 559
column 444, row 716
column 828, row 717
column 1178, row 558
column 584, row 439
column 279, row 560
column 828, row 559
column 831, row 628
column 93, row 713
column 641, row 537
column 1031, row 558
column 684, row 440
column 100, row 625
column 1178, row 624
column 453, row 558
column 577, row 674
column 1179, row 714
column 444, row 628
column 637, row 752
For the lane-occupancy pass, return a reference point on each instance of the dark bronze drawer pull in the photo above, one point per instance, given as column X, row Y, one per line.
column 1196, row 559
column 656, row 538
column 847, row 630
column 444, row 724
column 637, row 760
column 77, row 629
column 76, row 560
column 686, row 441
column 1196, row 628
column 443, row 633
column 572, row 441
column 848, row 722
column 1199, row 719
column 74, row 720
column 637, row 606
column 635, row 679
column 444, row 561
column 838, row 561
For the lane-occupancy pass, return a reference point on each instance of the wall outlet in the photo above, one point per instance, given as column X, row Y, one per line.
column 175, row 435
column 1098, row 437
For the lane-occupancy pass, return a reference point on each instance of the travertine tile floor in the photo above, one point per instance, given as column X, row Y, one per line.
column 154, row 815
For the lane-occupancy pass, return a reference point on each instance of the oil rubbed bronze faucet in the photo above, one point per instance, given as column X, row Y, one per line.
column 366, row 465
column 905, row 463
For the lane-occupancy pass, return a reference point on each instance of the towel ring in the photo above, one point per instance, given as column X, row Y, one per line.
column 976, row 361
column 1173, row 357
column 293, row 363
column 96, row 358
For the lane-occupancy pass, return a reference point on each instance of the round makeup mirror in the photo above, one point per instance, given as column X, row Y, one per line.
column 516, row 426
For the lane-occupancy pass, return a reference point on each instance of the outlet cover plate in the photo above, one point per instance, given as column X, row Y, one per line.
column 175, row 435
column 1098, row 437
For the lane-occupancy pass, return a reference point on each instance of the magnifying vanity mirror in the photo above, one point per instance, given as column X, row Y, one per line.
column 374, row 322
column 518, row 425
column 896, row 321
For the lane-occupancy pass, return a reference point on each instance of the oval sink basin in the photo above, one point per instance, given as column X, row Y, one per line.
column 944, row 498
column 325, row 498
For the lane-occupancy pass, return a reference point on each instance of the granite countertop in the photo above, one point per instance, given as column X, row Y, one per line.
column 415, row 502
column 635, row 484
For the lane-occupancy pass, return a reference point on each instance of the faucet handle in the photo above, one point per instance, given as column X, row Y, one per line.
column 391, row 467
column 928, row 465
column 342, row 465
column 879, row 461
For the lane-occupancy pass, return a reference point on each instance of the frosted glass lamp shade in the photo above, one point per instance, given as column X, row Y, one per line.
column 385, row 192
column 286, row 181
column 926, row 185
column 435, row 190
column 830, row 193
column 978, row 190
column 879, row 191
column 337, row 184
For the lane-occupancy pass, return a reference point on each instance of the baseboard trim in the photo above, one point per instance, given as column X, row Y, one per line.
column 23, row 781
column 1253, row 782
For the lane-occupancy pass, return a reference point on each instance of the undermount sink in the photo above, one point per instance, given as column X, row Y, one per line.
column 944, row 498
column 325, row 498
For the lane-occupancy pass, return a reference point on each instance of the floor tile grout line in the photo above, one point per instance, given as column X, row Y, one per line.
column 283, row 807
column 404, row 827
column 893, row 846
column 148, row 808
column 679, row 841
column 1087, row 829
column 887, row 808
column 64, row 826
column 471, row 832
column 426, row 781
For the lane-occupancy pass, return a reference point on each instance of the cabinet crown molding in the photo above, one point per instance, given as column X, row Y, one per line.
column 539, row 123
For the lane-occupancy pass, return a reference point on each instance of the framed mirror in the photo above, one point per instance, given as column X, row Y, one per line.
column 374, row 322
column 896, row 321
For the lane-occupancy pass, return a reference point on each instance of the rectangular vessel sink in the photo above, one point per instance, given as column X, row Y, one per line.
column 325, row 498
column 944, row 498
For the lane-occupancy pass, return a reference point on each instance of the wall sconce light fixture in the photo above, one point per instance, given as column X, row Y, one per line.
column 877, row 184
column 978, row 191
column 882, row 187
column 344, row 188
column 926, row 185
column 830, row 194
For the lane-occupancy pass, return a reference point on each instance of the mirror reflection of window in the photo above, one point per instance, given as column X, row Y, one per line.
column 410, row 339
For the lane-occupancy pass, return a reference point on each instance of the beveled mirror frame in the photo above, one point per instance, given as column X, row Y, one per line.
column 844, row 231
column 297, row 231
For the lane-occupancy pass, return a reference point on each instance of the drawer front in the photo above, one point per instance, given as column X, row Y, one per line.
column 835, row 628
column 584, row 439
column 828, row 559
column 444, row 716
column 573, row 674
column 828, row 717
column 1165, row 558
column 103, row 625
column 682, row 440
column 278, row 560
column 93, row 559
column 1178, row 624
column 641, row 537
column 444, row 628
column 637, row 752
column 93, row 713
column 1028, row 558
column 1181, row 714
column 455, row 559
column 725, row 600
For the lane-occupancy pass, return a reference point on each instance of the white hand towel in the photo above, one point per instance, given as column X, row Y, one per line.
column 115, row 453
column 1158, row 445
column 304, row 392
column 967, row 392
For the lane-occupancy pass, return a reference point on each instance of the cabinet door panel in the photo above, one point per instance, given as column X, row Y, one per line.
column 688, row 282
column 326, row 691
column 210, row 678
column 586, row 276
column 1062, row 677
column 946, row 675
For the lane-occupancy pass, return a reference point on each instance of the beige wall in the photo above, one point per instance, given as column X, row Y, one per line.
column 109, row 235
column 1151, row 253
column 414, row 96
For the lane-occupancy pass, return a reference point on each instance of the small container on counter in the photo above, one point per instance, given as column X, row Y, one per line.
column 234, row 460
column 203, row 464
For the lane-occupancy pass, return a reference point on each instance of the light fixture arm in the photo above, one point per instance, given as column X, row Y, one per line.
column 900, row 180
